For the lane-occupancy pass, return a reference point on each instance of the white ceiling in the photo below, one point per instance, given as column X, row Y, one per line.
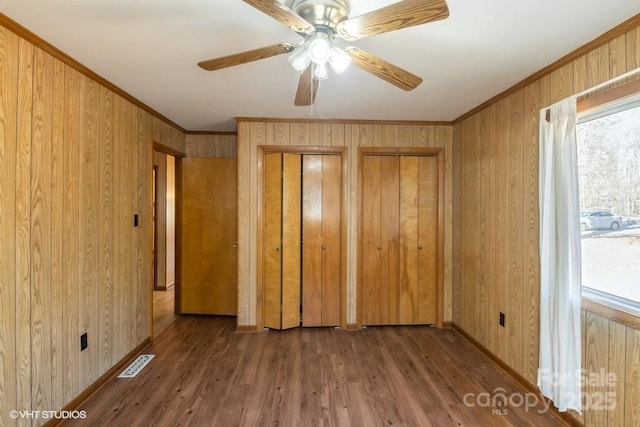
column 150, row 48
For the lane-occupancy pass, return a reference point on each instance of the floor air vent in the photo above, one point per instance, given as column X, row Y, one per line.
column 136, row 366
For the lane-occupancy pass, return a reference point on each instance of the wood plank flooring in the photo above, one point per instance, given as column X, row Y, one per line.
column 205, row 374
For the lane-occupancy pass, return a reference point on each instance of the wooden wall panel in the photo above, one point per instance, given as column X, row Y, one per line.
column 23, row 227
column 210, row 145
column 596, row 359
column 618, row 56
column 255, row 133
column 244, row 238
column 613, row 350
column 632, row 39
column 70, row 234
column 484, row 166
column 531, row 250
column 41, row 230
column 145, row 263
column 616, row 360
column 514, row 229
column 9, row 45
column 58, row 195
column 632, row 379
column 124, row 239
column 67, row 181
column 89, row 229
column 106, row 231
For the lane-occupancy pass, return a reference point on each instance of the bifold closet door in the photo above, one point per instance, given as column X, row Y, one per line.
column 399, row 239
column 418, row 240
column 281, row 250
column 380, row 223
column 321, row 255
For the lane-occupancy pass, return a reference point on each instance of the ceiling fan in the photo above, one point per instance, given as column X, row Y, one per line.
column 320, row 22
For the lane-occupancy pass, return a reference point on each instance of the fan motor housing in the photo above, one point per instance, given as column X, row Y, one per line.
column 327, row 13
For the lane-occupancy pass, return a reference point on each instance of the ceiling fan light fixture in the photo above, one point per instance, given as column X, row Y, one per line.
column 339, row 59
column 320, row 71
column 300, row 59
column 320, row 48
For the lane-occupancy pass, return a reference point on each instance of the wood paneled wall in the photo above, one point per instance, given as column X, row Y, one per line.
column 210, row 145
column 614, row 348
column 258, row 132
column 496, row 213
column 75, row 166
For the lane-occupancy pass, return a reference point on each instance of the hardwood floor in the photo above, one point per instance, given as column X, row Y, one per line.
column 205, row 374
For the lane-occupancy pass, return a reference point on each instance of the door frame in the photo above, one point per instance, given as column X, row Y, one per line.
column 178, row 155
column 301, row 149
column 439, row 153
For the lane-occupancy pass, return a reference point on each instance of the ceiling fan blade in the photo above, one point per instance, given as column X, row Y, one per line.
column 248, row 56
column 280, row 12
column 383, row 69
column 307, row 89
column 404, row 14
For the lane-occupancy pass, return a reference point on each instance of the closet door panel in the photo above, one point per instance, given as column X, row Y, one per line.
column 428, row 238
column 272, row 268
column 409, row 178
column 291, row 205
column 371, row 299
column 331, row 253
column 389, row 238
column 312, row 215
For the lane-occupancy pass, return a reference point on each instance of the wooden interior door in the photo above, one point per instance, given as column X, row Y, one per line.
column 291, row 201
column 209, row 230
column 281, row 251
column 371, row 249
column 428, row 240
column 271, row 252
column 321, row 254
column 399, row 239
column 302, row 253
column 381, row 239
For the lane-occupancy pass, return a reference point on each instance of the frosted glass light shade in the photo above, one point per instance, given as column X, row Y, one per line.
column 339, row 59
column 299, row 59
column 320, row 71
column 320, row 49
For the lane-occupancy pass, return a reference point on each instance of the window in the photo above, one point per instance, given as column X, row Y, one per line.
column 608, row 142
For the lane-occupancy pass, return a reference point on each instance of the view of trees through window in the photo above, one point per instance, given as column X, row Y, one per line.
column 609, row 177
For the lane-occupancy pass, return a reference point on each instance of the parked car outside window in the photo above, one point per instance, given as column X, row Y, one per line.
column 593, row 220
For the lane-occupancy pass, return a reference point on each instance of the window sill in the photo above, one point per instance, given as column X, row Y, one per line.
column 610, row 310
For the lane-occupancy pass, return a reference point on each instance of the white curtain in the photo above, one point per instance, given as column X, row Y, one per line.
column 560, row 281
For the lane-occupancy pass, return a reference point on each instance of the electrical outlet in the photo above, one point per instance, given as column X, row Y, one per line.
column 83, row 342
column 501, row 319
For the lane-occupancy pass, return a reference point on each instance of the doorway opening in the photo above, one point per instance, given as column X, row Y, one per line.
column 164, row 240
